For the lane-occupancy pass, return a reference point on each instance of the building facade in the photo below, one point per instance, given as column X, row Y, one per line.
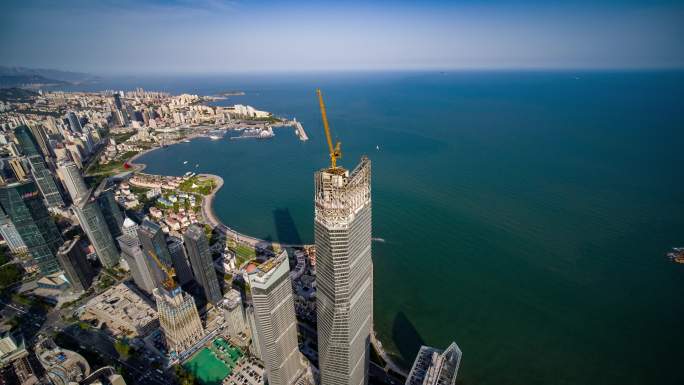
column 234, row 314
column 178, row 318
column 11, row 235
column 39, row 169
column 179, row 259
column 153, row 243
column 24, row 206
column 75, row 265
column 201, row 263
column 93, row 223
column 135, row 258
column 111, row 211
column 276, row 324
column 344, row 273
column 73, row 181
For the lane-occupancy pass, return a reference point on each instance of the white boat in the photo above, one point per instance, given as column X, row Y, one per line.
column 214, row 137
column 377, row 148
column 197, row 165
column 186, row 162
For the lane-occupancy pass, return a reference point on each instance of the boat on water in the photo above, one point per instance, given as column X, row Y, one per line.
column 377, row 148
column 677, row 254
column 186, row 141
column 214, row 137
column 186, row 162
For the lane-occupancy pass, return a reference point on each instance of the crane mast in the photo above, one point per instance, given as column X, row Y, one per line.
column 170, row 272
column 335, row 152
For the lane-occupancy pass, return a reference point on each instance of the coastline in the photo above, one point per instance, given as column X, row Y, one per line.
column 208, row 214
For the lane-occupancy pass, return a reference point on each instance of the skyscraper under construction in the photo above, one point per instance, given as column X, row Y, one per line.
column 344, row 269
column 344, row 273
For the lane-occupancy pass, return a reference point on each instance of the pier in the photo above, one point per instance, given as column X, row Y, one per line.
column 299, row 130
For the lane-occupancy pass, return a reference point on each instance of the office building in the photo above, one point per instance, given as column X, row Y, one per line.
column 178, row 318
column 76, row 267
column 179, row 259
column 24, row 206
column 201, row 263
column 153, row 243
column 234, row 314
column 435, row 367
column 41, row 139
column 93, row 223
column 135, row 258
column 10, row 234
column 74, row 123
column 111, row 211
column 73, row 181
column 39, row 169
column 276, row 324
column 344, row 273
column 20, row 172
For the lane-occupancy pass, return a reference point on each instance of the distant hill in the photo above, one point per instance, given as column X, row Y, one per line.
column 15, row 94
column 36, row 77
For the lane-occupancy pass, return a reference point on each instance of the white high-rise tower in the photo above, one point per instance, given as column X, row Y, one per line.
column 344, row 273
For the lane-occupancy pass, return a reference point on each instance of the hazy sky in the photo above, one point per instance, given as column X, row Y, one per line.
column 225, row 36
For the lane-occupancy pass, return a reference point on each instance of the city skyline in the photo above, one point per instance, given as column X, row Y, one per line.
column 221, row 37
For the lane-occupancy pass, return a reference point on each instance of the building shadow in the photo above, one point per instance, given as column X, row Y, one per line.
column 286, row 230
column 406, row 338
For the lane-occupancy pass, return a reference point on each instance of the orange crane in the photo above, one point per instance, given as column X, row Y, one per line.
column 169, row 283
column 335, row 152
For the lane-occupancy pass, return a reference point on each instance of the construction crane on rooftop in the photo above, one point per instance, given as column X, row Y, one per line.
column 336, row 151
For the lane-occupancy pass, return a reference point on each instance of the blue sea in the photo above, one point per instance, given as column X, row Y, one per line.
column 526, row 215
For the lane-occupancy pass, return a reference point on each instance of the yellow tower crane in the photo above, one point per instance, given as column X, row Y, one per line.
column 335, row 152
column 169, row 283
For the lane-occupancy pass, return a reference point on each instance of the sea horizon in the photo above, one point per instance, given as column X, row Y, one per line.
column 524, row 215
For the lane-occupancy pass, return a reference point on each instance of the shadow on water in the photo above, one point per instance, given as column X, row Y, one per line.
column 406, row 338
column 286, row 230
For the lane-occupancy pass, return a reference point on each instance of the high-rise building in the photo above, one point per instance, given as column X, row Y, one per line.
column 153, row 243
column 74, row 123
column 201, row 263
column 18, row 168
column 178, row 318
column 11, row 235
column 22, row 203
column 117, row 101
column 435, row 367
column 137, row 261
column 233, row 314
column 76, row 267
column 73, row 181
column 41, row 173
column 276, row 324
column 41, row 139
column 344, row 273
column 179, row 259
column 111, row 211
column 93, row 223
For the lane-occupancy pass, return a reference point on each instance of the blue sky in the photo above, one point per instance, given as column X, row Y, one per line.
column 216, row 36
